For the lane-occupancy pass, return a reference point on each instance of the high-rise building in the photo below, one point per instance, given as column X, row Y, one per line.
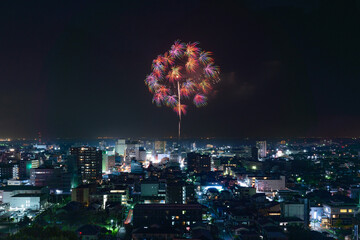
column 105, row 162
column 120, row 147
column 179, row 193
column 132, row 150
column 89, row 163
column 16, row 171
column 261, row 145
column 199, row 163
column 111, row 162
column 160, row 146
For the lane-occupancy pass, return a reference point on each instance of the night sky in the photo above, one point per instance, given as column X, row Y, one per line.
column 77, row 68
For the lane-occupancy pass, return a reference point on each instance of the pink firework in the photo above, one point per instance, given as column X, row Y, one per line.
column 183, row 75
column 200, row 100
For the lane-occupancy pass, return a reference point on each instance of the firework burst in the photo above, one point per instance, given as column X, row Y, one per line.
column 184, row 74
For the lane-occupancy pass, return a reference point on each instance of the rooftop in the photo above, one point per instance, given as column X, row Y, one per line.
column 28, row 195
column 10, row 188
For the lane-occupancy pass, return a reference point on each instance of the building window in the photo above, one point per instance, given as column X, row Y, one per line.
column 343, row 210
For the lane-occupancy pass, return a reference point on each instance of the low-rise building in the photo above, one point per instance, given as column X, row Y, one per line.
column 269, row 184
column 338, row 214
column 179, row 216
column 27, row 201
column 11, row 190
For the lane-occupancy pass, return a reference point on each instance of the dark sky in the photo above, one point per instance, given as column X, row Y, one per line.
column 77, row 68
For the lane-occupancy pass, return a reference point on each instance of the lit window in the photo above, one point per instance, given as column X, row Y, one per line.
column 350, row 210
column 343, row 210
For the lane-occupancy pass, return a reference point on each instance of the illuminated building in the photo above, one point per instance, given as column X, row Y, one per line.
column 120, row 147
column 42, row 177
column 179, row 193
column 9, row 191
column 118, row 195
column 102, row 145
column 269, row 184
column 111, row 162
column 294, row 209
column 89, row 163
column 160, row 146
column 54, row 179
column 198, row 163
column 261, row 145
column 9, row 171
column 155, row 232
column 136, row 167
column 26, row 201
column 82, row 194
column 242, row 152
column 178, row 216
column 132, row 150
column 149, row 188
column 245, row 192
column 141, row 155
column 153, row 191
column 105, row 162
column 175, row 155
column 35, row 163
column 338, row 213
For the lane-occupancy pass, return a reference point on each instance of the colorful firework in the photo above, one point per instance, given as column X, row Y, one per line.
column 200, row 100
column 184, row 74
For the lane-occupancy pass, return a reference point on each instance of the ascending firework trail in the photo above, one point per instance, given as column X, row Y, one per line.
column 181, row 75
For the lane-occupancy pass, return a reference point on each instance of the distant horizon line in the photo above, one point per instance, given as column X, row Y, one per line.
column 8, row 139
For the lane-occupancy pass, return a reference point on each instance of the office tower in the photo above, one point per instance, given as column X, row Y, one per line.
column 175, row 155
column 261, row 145
column 105, row 162
column 89, row 163
column 111, row 162
column 132, row 150
column 120, row 147
column 142, row 155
